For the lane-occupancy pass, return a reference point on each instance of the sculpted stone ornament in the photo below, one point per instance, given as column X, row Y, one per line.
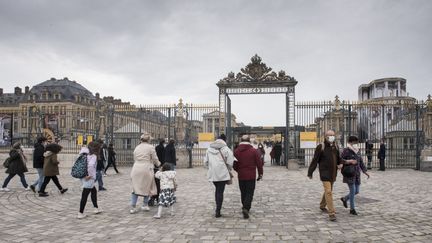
column 256, row 71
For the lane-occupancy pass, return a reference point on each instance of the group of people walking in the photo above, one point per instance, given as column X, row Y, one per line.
column 246, row 161
column 328, row 159
column 153, row 175
column 45, row 162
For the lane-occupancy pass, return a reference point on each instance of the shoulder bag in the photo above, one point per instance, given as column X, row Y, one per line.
column 230, row 181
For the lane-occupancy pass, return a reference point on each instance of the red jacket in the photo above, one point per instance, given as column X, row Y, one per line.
column 248, row 161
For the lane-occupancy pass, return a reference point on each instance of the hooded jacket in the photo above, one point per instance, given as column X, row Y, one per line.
column 91, row 162
column 217, row 169
column 248, row 161
column 50, row 164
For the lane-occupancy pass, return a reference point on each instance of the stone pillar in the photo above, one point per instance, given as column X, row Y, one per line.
column 426, row 160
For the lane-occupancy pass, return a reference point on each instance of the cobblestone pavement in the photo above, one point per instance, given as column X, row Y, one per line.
column 393, row 206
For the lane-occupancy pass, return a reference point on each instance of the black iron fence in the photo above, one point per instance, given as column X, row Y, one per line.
column 121, row 125
column 403, row 125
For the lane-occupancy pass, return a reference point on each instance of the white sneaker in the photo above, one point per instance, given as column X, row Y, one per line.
column 5, row 189
column 145, row 208
column 81, row 216
column 133, row 210
column 97, row 211
column 28, row 188
column 157, row 216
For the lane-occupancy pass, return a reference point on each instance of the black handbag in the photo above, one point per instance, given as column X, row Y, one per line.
column 6, row 163
column 348, row 170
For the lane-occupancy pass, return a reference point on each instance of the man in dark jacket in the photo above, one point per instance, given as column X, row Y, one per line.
column 382, row 155
column 248, row 161
column 278, row 152
column 170, row 154
column 327, row 156
column 160, row 152
column 368, row 150
column 38, row 162
column 100, row 166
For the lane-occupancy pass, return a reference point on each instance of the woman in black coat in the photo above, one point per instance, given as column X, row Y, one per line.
column 111, row 158
column 17, row 166
column 170, row 153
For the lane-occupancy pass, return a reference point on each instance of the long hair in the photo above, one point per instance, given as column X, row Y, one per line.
column 94, row 147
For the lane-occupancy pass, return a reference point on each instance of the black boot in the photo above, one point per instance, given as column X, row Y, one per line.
column 353, row 212
column 218, row 214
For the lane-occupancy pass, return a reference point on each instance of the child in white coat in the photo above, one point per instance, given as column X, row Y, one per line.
column 168, row 185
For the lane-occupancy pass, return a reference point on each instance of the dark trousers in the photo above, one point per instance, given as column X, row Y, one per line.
column 114, row 165
column 155, row 197
column 369, row 163
column 247, row 189
column 47, row 180
column 84, row 196
column 382, row 164
column 10, row 176
column 277, row 158
column 219, row 194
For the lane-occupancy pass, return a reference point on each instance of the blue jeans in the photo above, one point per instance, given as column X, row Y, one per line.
column 354, row 190
column 134, row 199
column 99, row 178
column 40, row 180
column 10, row 176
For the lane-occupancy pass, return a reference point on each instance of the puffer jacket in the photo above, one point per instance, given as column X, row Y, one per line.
column 217, row 169
column 16, row 163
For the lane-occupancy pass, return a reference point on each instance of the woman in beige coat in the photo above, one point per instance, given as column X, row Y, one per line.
column 142, row 174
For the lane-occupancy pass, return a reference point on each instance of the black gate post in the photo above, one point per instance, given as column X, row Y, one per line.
column 228, row 121
column 349, row 120
column 169, row 123
column 286, row 139
column 140, row 120
column 417, row 138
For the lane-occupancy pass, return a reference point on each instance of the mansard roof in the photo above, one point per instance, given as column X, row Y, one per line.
column 66, row 88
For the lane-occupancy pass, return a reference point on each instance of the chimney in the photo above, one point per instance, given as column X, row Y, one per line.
column 1, row 91
column 27, row 89
column 18, row 91
column 97, row 96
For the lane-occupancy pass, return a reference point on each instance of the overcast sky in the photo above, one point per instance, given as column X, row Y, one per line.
column 151, row 52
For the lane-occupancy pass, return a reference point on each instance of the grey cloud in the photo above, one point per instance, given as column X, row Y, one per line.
column 168, row 49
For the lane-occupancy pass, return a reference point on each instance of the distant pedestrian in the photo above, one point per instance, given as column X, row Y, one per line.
column 100, row 168
column 272, row 156
column 278, row 152
column 142, row 174
column 170, row 154
column 88, row 182
column 352, row 154
column 219, row 159
column 247, row 164
column 368, row 150
column 112, row 160
column 17, row 166
column 382, row 156
column 262, row 151
column 327, row 157
column 38, row 161
column 51, row 168
column 168, row 182
column 160, row 152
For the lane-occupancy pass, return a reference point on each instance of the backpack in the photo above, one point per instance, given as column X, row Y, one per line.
column 79, row 169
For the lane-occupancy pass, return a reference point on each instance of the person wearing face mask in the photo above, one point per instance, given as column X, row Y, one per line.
column 327, row 157
column 38, row 162
column 352, row 154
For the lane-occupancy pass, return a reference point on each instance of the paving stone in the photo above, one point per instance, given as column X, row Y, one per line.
column 393, row 206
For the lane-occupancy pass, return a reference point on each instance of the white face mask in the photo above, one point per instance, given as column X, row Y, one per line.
column 331, row 139
column 355, row 146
